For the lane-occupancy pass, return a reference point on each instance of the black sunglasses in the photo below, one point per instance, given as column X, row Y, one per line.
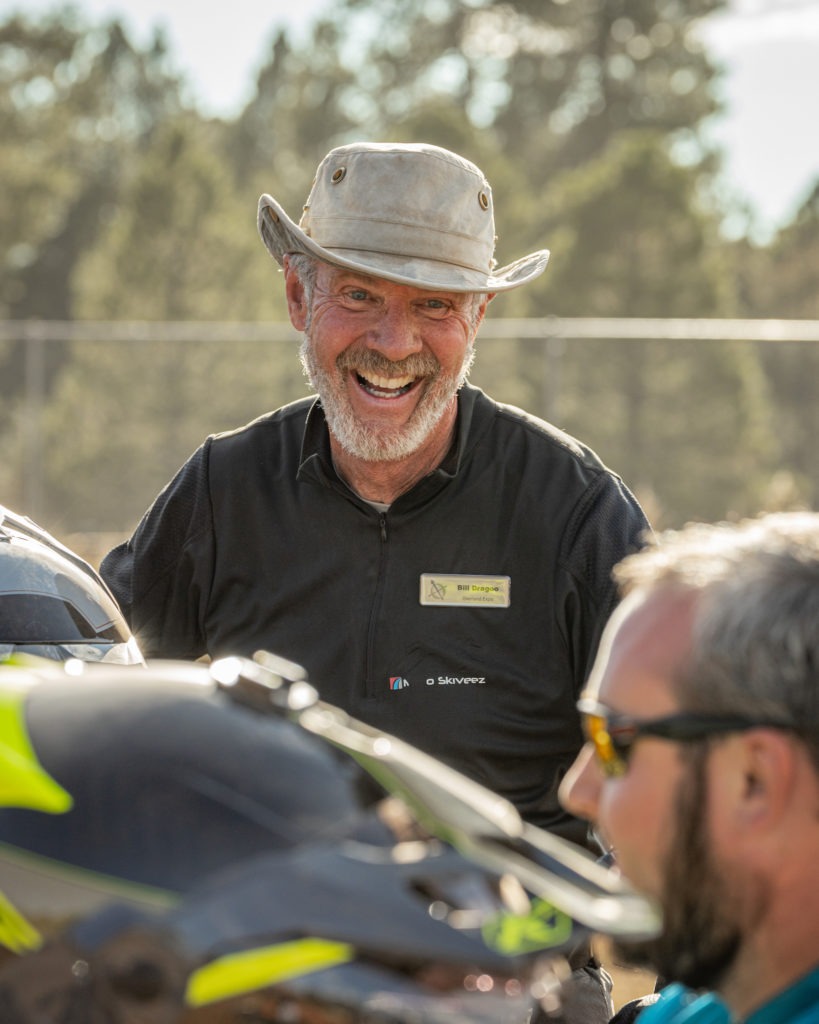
column 613, row 736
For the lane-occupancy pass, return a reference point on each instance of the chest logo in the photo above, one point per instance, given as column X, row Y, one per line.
column 455, row 591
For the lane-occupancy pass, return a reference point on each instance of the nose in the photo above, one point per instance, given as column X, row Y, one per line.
column 579, row 791
column 397, row 333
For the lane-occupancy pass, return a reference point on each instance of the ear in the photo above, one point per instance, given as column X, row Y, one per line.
column 296, row 299
column 487, row 298
column 768, row 785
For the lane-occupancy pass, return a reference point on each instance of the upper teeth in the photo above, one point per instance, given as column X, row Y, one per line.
column 388, row 383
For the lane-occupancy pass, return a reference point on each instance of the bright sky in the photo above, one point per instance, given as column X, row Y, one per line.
column 770, row 49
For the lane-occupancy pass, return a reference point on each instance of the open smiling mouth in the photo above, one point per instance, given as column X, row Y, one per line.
column 386, row 387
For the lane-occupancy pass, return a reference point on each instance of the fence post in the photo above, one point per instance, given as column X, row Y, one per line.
column 33, row 488
column 553, row 349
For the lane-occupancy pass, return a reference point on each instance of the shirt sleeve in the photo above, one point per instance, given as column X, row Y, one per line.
column 606, row 525
column 161, row 577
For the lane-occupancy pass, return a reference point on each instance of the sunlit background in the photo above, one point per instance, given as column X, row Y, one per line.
column 665, row 152
column 769, row 49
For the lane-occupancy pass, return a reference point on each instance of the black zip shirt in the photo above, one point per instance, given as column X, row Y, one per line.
column 464, row 619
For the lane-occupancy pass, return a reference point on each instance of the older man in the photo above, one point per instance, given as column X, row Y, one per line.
column 702, row 764
column 439, row 563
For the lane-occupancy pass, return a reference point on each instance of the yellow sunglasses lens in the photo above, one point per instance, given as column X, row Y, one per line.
column 610, row 761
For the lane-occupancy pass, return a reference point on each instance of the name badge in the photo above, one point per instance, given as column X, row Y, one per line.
column 452, row 591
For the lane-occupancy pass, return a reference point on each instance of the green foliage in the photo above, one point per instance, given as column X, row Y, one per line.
column 182, row 243
column 153, row 403
column 780, row 281
column 186, row 248
column 124, row 203
column 298, row 113
column 75, row 103
column 555, row 82
column 628, row 240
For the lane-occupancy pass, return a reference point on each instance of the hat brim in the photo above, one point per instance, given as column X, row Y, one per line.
column 281, row 235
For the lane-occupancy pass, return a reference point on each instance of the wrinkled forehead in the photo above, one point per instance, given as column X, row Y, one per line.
column 332, row 276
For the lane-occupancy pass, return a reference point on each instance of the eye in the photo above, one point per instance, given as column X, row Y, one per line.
column 355, row 298
column 435, row 307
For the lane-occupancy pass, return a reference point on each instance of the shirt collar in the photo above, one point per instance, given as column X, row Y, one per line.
column 792, row 1003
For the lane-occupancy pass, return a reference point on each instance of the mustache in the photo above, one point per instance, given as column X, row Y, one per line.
column 419, row 364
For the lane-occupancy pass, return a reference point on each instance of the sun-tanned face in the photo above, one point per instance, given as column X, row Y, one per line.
column 657, row 815
column 634, row 813
column 387, row 359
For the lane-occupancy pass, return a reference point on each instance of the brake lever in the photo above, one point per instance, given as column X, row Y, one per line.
column 268, row 684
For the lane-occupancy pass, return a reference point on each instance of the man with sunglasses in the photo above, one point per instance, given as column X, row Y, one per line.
column 701, row 767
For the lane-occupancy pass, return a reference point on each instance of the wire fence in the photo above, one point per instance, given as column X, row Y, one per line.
column 551, row 334
column 568, row 328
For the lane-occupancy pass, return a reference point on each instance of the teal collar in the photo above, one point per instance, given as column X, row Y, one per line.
column 799, row 1003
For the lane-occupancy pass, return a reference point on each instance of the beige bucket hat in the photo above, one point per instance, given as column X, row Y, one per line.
column 407, row 212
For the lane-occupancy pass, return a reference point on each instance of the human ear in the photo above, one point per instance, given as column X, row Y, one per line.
column 295, row 295
column 486, row 300
column 481, row 311
column 769, row 778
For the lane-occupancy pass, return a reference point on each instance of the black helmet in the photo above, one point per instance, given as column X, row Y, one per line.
column 52, row 603
column 218, row 864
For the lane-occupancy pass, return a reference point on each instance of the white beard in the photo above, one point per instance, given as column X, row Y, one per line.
column 377, row 443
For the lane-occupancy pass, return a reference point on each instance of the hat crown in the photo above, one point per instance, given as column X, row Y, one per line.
column 406, row 212
column 412, row 200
